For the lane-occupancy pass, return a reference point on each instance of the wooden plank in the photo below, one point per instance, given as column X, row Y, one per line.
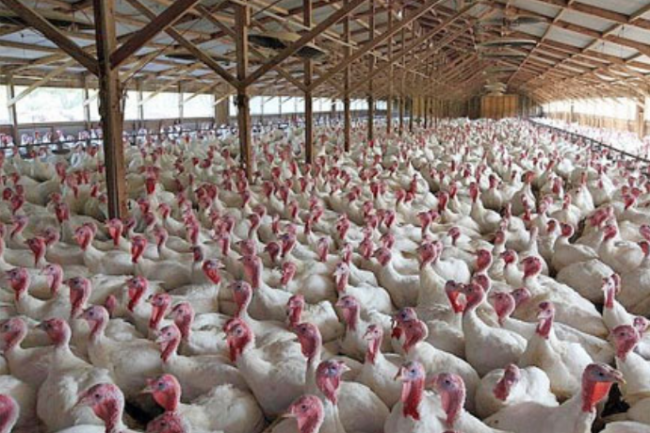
column 304, row 40
column 309, row 72
column 370, row 45
column 53, row 34
column 110, row 109
column 166, row 19
column 242, row 21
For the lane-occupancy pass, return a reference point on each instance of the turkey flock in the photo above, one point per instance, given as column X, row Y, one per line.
column 473, row 277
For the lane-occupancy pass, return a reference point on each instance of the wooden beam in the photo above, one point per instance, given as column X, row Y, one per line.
column 166, row 19
column 53, row 34
column 371, row 67
column 13, row 116
column 189, row 46
column 254, row 51
column 309, row 71
column 242, row 21
column 401, row 96
column 46, row 79
column 389, row 99
column 110, row 109
column 370, row 45
column 86, row 106
column 347, row 127
column 181, row 102
column 411, row 114
column 418, row 41
column 304, row 40
column 140, row 98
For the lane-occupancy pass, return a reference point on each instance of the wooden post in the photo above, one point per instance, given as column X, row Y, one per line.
column 389, row 99
column 86, row 97
column 346, row 97
column 371, row 118
column 222, row 110
column 140, row 98
column 371, row 67
column 110, row 109
column 411, row 114
column 181, row 102
column 423, row 112
column 242, row 21
column 640, row 118
column 400, row 101
column 217, row 112
column 309, row 108
column 13, row 116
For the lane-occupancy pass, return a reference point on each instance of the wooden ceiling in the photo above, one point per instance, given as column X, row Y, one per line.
column 577, row 49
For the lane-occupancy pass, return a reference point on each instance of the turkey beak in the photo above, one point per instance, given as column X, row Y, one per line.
column 147, row 389
column 286, row 415
column 400, row 374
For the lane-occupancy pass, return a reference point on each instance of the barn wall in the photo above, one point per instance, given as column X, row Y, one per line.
column 596, row 121
column 499, row 107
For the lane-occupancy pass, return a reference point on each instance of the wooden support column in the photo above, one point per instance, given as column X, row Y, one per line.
column 140, row 100
column 389, row 99
column 13, row 116
column 110, row 109
column 371, row 67
column 411, row 114
column 181, row 102
column 402, row 102
column 424, row 114
column 222, row 110
column 86, row 97
column 641, row 107
column 309, row 108
column 346, row 97
column 217, row 113
column 242, row 21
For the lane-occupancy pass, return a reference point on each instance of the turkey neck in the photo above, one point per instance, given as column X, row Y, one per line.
column 310, row 378
column 373, row 353
column 592, row 394
column 412, row 395
column 332, row 422
column 112, row 417
column 351, row 316
column 430, row 279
